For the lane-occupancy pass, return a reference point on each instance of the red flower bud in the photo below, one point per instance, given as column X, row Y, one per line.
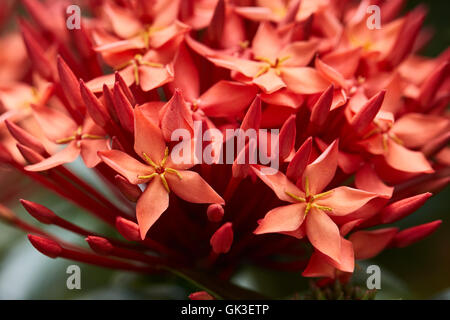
column 411, row 235
column 100, row 245
column 46, row 246
column 215, row 212
column 201, row 295
column 222, row 239
column 131, row 191
column 400, row 209
column 128, row 229
column 39, row 212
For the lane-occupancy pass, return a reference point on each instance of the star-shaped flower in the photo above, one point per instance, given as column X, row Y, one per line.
column 159, row 171
column 312, row 210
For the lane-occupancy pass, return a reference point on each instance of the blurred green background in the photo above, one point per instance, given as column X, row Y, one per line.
column 420, row 271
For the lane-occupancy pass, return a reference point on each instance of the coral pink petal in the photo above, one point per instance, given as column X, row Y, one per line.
column 299, row 162
column 318, row 267
column 90, row 149
column 151, row 78
column 304, row 80
column 255, row 13
column 300, row 53
column 126, row 165
column 55, row 124
column 402, row 159
column 226, row 98
column 408, row 127
column 151, row 205
column 266, row 43
column 66, row 155
column 279, row 183
column 344, row 200
column 323, row 234
column 269, row 82
column 322, row 170
column 176, row 115
column 192, row 188
column 148, row 138
column 367, row 179
column 282, row 219
column 246, row 67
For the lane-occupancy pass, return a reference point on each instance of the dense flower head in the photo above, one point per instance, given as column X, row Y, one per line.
column 348, row 126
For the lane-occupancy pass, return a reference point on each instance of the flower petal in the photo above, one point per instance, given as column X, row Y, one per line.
column 269, row 82
column 192, row 188
column 266, row 43
column 282, row 219
column 226, row 98
column 148, row 138
column 151, row 205
column 151, row 77
column 367, row 244
column 323, row 234
column 279, row 183
column 407, row 128
column 304, row 80
column 367, row 179
column 402, row 159
column 90, row 149
column 322, row 170
column 55, row 124
column 66, row 155
column 126, row 165
column 300, row 53
column 344, row 200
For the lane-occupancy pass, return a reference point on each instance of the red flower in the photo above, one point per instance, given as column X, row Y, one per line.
column 159, row 171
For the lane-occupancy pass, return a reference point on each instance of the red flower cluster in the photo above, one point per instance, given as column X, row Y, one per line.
column 362, row 141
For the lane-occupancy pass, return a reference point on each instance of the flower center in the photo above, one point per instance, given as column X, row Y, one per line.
column 136, row 62
column 309, row 199
column 78, row 136
column 384, row 130
column 160, row 169
column 270, row 65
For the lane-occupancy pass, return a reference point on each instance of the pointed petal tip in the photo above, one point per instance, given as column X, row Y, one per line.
column 46, row 246
column 99, row 245
column 38, row 211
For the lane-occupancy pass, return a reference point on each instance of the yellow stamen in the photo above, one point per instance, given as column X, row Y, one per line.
column 396, row 139
column 150, row 176
column 136, row 73
column 195, row 106
column 170, row 170
column 164, row 181
column 264, row 59
column 280, row 61
column 371, row 133
column 385, row 142
column 323, row 208
column 321, row 195
column 299, row 199
column 152, row 64
column 65, row 140
column 91, row 136
column 166, row 156
column 149, row 161
column 244, row 44
column 307, row 186
column 262, row 71
column 308, row 208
